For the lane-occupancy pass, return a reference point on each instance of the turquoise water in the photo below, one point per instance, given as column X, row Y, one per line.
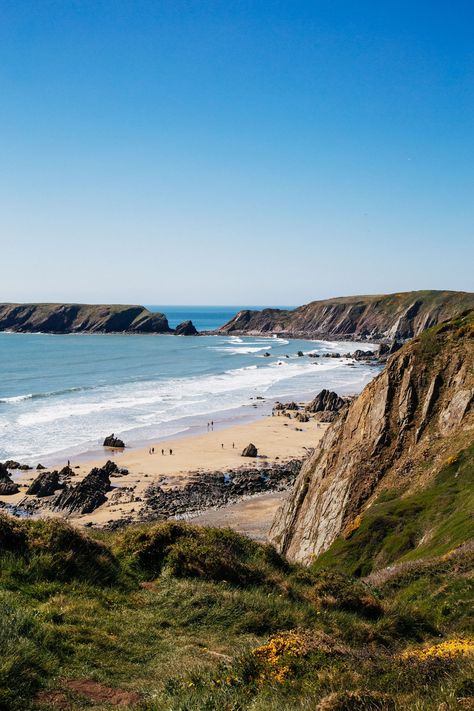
column 63, row 394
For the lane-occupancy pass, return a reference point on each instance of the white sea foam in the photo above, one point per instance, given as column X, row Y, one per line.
column 146, row 403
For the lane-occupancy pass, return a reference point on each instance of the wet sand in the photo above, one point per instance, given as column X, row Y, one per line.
column 276, row 438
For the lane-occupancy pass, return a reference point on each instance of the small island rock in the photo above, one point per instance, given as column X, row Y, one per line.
column 186, row 328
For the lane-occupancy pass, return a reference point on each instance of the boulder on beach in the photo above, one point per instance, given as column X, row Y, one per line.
column 186, row 328
column 88, row 495
column 250, row 451
column 13, row 464
column 7, row 488
column 113, row 441
column 45, row 484
column 40, row 466
column 4, row 475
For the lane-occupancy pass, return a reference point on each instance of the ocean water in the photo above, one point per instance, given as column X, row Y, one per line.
column 61, row 395
column 205, row 318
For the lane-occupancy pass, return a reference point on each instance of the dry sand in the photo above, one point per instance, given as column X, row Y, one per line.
column 276, row 438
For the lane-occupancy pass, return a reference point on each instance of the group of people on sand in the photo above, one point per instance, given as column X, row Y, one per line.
column 210, row 426
column 152, row 451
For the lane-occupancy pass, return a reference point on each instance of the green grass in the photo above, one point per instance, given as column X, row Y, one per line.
column 424, row 524
column 174, row 613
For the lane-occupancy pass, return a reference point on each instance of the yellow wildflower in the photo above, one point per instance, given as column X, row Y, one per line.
column 445, row 650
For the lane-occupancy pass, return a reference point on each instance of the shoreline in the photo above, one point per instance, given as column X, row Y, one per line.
column 277, row 438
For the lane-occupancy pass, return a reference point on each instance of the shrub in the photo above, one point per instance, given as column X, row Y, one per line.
column 333, row 589
column 12, row 536
column 53, row 550
column 189, row 551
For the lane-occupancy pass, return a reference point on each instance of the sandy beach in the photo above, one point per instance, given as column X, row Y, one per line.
column 276, row 438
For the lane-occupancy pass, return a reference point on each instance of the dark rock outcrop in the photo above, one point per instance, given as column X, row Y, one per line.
column 13, row 464
column 326, row 400
column 45, row 484
column 88, row 495
column 112, row 441
column 217, row 489
column 4, row 475
column 8, row 488
column 250, row 451
column 396, row 434
column 81, row 318
column 361, row 318
column 186, row 328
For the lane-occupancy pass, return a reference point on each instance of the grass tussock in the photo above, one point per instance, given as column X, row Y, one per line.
column 182, row 618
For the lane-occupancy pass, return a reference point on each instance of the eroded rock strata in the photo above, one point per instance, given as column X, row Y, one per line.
column 411, row 417
column 373, row 318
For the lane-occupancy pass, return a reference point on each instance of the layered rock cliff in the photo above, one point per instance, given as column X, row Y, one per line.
column 373, row 318
column 81, row 318
column 395, row 435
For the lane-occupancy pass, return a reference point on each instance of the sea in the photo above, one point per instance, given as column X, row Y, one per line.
column 60, row 395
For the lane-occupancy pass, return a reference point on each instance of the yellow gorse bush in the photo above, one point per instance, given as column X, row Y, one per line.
column 453, row 459
column 352, row 526
column 276, row 653
column 444, row 650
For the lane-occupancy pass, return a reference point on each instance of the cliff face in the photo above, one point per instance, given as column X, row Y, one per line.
column 80, row 318
column 406, row 422
column 394, row 316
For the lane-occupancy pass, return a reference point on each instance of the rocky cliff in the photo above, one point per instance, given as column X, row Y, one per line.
column 81, row 318
column 373, row 318
column 395, row 436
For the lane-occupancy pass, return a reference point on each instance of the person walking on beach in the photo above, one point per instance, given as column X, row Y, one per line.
column 171, row 451
column 162, row 452
column 233, row 445
column 222, row 445
column 153, row 450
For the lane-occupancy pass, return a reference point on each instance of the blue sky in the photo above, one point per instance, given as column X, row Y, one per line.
column 235, row 151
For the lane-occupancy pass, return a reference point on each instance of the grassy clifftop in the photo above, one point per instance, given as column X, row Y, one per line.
column 176, row 618
column 81, row 318
column 376, row 317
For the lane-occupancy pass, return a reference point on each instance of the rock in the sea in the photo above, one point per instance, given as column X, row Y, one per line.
column 45, row 484
column 186, row 328
column 326, row 400
column 113, row 441
column 7, row 488
column 359, row 354
column 250, row 451
column 88, row 495
column 387, row 349
column 300, row 354
column 12, row 464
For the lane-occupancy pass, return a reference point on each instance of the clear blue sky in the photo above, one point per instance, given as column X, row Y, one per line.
column 235, row 151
